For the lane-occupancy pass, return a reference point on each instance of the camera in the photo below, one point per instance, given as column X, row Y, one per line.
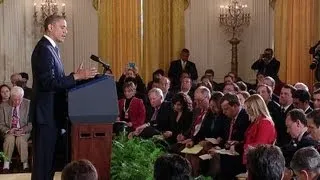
column 315, row 51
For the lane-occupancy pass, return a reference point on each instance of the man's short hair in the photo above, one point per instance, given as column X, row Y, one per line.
column 205, row 91
column 270, row 50
column 302, row 95
column 315, row 116
column 316, row 85
column 79, row 170
column 16, row 91
column 209, row 71
column 24, row 75
column 242, row 86
column 272, row 81
column 265, row 162
column 51, row 20
column 158, row 92
column 172, row 167
column 298, row 114
column 289, row 86
column 316, row 92
column 185, row 50
column 231, row 98
column 307, row 159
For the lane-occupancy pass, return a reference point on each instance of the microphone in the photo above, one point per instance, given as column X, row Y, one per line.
column 98, row 60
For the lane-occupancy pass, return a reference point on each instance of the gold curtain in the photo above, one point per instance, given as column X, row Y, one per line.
column 296, row 30
column 163, row 33
column 120, row 33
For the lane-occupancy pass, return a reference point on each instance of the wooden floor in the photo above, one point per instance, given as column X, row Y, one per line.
column 24, row 176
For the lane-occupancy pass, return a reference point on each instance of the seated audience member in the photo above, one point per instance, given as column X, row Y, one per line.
column 261, row 129
column 15, row 78
column 172, row 167
column 131, row 74
column 315, row 86
column 296, row 123
column 242, row 86
column 306, row 164
column 132, row 112
column 301, row 100
column 186, row 87
column 180, row 117
column 242, row 95
column 234, row 134
column 164, row 85
column 177, row 67
column 15, row 126
column 269, row 81
column 79, row 170
column 230, row 88
column 210, row 74
column 265, row 92
column 5, row 93
column 316, row 99
column 156, row 75
column 265, row 162
column 235, row 77
column 158, row 116
column 201, row 127
column 228, row 79
column 206, row 82
column 23, row 84
column 301, row 86
column 314, row 125
column 286, row 105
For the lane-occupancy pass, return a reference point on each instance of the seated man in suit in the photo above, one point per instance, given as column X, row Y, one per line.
column 183, row 64
column 16, row 77
column 158, row 116
column 23, row 84
column 164, row 85
column 301, row 100
column 296, row 123
column 286, row 105
column 15, row 127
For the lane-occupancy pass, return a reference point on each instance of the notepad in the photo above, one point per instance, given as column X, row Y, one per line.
column 160, row 137
column 212, row 140
column 205, row 156
column 193, row 150
column 227, row 152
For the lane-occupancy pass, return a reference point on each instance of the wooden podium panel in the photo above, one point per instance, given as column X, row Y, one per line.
column 93, row 142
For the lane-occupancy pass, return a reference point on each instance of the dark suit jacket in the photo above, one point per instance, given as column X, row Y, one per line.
column 27, row 92
column 283, row 137
column 270, row 69
column 289, row 149
column 162, row 120
column 181, row 127
column 239, row 128
column 205, row 129
column 175, row 71
column 137, row 111
column 48, row 104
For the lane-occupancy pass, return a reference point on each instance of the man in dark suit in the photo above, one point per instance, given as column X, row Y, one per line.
column 48, row 107
column 301, row 100
column 23, row 83
column 267, row 64
column 182, row 65
column 286, row 105
column 296, row 123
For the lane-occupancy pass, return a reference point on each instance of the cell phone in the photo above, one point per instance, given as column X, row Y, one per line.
column 132, row 65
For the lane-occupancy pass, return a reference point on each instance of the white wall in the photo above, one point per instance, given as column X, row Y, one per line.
column 209, row 44
column 18, row 36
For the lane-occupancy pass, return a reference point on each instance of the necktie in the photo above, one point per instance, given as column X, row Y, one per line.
column 15, row 119
column 155, row 114
column 183, row 65
column 231, row 129
column 57, row 51
column 283, row 110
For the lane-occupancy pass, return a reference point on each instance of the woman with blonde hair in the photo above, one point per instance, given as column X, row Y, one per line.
column 261, row 129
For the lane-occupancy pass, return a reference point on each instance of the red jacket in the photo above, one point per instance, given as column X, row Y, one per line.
column 137, row 111
column 262, row 131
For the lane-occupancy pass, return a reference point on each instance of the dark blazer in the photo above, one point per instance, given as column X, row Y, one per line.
column 270, row 69
column 283, row 137
column 175, row 71
column 162, row 120
column 27, row 92
column 48, row 108
column 205, row 129
column 289, row 149
column 48, row 104
column 137, row 111
column 180, row 127
column 239, row 128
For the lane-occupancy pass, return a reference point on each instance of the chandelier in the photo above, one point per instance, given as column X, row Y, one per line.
column 233, row 18
column 47, row 8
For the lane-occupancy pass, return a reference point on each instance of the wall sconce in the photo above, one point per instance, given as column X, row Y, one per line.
column 47, row 8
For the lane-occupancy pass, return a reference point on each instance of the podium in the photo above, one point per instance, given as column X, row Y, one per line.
column 92, row 108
